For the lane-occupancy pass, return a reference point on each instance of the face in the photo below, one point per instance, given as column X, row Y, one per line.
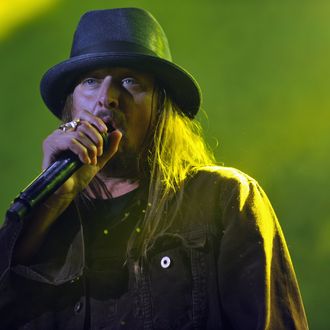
column 122, row 97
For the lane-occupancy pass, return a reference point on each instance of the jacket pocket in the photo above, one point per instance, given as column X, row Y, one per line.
column 177, row 273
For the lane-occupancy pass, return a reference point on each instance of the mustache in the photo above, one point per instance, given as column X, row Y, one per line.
column 112, row 118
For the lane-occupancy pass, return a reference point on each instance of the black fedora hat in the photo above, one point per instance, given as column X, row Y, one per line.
column 128, row 37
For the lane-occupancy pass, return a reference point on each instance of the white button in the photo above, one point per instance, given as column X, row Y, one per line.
column 165, row 262
column 77, row 307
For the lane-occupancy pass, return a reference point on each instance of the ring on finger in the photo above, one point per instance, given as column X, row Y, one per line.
column 70, row 126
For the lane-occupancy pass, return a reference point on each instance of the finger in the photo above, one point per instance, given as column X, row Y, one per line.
column 114, row 141
column 88, row 146
column 93, row 120
column 79, row 144
column 93, row 134
column 79, row 149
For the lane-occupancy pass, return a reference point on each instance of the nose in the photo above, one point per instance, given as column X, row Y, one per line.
column 108, row 94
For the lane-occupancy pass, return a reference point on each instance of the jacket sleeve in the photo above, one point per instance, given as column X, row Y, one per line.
column 9, row 233
column 257, row 282
column 59, row 259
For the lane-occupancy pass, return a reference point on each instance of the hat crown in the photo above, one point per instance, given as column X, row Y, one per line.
column 127, row 30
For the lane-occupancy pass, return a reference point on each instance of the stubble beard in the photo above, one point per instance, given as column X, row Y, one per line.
column 124, row 164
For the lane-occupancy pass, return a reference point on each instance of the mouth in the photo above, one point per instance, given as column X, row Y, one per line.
column 113, row 119
column 111, row 122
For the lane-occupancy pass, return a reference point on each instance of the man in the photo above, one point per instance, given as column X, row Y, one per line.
column 148, row 233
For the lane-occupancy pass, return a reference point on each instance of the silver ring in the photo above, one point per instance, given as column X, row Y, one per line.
column 70, row 126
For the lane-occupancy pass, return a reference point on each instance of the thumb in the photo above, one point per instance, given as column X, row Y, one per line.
column 111, row 149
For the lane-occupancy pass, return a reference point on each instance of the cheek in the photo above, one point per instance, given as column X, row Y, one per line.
column 81, row 102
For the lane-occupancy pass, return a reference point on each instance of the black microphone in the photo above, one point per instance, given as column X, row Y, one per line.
column 46, row 183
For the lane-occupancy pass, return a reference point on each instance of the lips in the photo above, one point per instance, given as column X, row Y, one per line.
column 114, row 119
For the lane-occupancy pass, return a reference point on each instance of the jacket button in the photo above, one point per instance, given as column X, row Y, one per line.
column 77, row 307
column 75, row 279
column 165, row 262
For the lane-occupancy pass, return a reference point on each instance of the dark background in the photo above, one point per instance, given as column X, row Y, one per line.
column 264, row 70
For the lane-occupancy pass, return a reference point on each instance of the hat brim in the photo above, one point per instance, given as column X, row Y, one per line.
column 58, row 82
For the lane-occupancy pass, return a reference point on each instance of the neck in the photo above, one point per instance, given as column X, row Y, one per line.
column 115, row 186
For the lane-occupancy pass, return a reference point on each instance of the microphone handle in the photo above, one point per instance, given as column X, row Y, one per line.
column 45, row 184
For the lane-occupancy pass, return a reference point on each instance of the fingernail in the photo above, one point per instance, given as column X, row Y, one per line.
column 104, row 127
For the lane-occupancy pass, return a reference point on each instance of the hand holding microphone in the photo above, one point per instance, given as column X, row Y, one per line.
column 79, row 142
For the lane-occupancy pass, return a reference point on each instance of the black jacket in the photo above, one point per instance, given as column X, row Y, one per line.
column 224, row 264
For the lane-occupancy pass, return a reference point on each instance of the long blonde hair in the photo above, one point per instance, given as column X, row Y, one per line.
column 177, row 152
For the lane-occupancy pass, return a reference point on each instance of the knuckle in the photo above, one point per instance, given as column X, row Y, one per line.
column 72, row 141
column 83, row 124
column 80, row 134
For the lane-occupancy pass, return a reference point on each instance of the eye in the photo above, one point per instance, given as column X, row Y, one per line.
column 129, row 81
column 90, row 82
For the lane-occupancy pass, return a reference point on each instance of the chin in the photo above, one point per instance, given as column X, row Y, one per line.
column 124, row 164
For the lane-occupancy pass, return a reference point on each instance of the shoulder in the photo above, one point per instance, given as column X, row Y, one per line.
column 218, row 182
column 237, row 196
column 225, row 177
column 226, row 185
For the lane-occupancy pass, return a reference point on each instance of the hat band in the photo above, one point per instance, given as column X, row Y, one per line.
column 114, row 47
